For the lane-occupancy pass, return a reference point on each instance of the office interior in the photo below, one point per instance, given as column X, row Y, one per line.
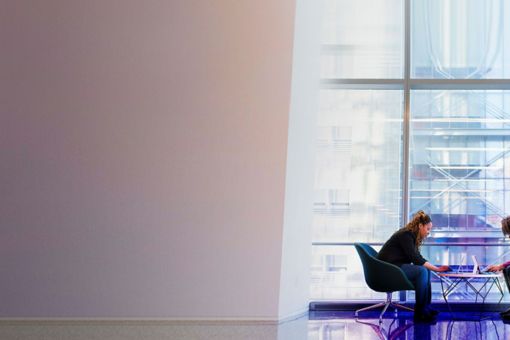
column 202, row 169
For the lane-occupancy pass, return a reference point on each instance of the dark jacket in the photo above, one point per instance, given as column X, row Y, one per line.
column 401, row 249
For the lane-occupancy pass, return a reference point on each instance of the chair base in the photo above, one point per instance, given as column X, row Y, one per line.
column 386, row 304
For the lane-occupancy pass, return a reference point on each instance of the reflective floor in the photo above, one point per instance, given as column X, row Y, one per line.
column 342, row 325
column 315, row 326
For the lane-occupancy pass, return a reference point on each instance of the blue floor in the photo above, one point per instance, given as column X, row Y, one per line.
column 457, row 325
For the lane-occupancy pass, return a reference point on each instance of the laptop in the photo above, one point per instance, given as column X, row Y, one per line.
column 460, row 268
column 476, row 267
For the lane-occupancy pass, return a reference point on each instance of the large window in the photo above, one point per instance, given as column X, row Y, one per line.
column 414, row 115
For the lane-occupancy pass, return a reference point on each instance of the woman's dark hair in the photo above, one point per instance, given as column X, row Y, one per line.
column 505, row 226
column 414, row 225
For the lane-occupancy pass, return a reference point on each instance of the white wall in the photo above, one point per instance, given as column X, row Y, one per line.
column 296, row 247
column 142, row 158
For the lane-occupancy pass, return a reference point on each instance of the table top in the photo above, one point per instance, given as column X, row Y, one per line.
column 471, row 275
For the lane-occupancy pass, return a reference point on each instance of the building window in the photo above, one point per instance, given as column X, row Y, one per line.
column 414, row 115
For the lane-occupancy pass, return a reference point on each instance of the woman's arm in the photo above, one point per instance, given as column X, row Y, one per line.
column 430, row 266
column 498, row 267
column 495, row 267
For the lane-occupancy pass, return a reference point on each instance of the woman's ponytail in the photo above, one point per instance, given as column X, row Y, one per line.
column 414, row 225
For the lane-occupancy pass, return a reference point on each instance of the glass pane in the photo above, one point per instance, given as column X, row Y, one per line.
column 460, row 39
column 460, row 166
column 358, row 166
column 337, row 274
column 362, row 39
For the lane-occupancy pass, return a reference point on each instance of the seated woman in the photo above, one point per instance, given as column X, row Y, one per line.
column 403, row 250
column 505, row 267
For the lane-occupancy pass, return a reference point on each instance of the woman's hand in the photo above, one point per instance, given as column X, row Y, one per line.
column 430, row 266
column 495, row 268
column 443, row 268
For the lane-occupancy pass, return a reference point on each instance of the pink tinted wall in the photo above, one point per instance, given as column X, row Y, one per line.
column 142, row 158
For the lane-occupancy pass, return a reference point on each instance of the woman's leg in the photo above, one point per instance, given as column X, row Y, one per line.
column 429, row 290
column 506, row 274
column 420, row 277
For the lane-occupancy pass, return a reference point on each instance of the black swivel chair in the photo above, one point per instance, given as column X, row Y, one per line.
column 382, row 277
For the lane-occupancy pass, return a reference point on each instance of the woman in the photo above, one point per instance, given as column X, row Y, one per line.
column 403, row 250
column 505, row 267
